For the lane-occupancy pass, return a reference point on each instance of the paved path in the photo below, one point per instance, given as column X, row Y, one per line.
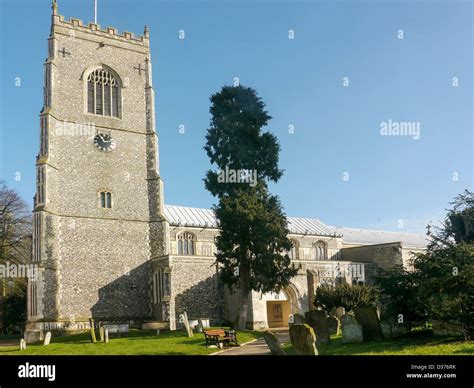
column 258, row 347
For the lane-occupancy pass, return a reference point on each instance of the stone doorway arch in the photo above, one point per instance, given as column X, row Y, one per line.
column 280, row 305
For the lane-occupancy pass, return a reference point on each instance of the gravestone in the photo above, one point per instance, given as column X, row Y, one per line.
column 333, row 325
column 386, row 329
column 367, row 317
column 340, row 311
column 351, row 330
column 200, row 326
column 101, row 333
column 392, row 330
column 183, row 318
column 157, row 331
column 398, row 330
column 317, row 319
column 273, row 343
column 22, row 344
column 47, row 338
column 303, row 340
column 92, row 330
column 298, row 319
column 106, row 336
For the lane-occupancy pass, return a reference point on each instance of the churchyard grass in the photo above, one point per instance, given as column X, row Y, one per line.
column 436, row 345
column 137, row 342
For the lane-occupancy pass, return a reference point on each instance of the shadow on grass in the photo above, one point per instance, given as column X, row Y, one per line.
column 134, row 343
column 400, row 345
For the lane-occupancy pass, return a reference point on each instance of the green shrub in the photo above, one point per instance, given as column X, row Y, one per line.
column 347, row 296
column 400, row 297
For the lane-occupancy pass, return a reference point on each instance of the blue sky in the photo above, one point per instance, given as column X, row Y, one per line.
column 336, row 128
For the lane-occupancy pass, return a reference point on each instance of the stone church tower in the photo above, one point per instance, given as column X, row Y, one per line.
column 98, row 211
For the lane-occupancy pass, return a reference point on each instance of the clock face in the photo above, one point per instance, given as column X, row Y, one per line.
column 104, row 142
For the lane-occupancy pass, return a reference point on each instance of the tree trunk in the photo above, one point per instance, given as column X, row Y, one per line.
column 241, row 321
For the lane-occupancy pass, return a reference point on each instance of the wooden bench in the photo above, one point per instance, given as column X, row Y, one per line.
column 220, row 336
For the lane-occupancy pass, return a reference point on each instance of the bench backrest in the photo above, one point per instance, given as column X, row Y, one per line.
column 219, row 332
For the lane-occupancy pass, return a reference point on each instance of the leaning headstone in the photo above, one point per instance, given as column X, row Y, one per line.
column 317, row 319
column 106, row 336
column 183, row 318
column 22, row 344
column 333, row 325
column 92, row 330
column 351, row 330
column 367, row 317
column 47, row 338
column 101, row 333
column 273, row 343
column 303, row 340
column 340, row 311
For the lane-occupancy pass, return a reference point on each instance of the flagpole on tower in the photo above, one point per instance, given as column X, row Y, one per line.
column 95, row 11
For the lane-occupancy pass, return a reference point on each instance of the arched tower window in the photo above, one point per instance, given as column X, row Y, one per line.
column 105, row 200
column 103, row 93
column 320, row 250
column 294, row 251
column 186, row 244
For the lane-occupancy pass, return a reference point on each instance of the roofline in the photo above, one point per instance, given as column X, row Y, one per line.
column 374, row 230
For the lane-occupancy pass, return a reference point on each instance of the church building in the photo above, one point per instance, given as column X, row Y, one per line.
column 106, row 245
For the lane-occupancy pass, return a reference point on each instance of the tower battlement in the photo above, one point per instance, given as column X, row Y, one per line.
column 74, row 24
column 109, row 32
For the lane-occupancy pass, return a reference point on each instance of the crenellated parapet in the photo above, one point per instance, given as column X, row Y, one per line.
column 94, row 28
column 107, row 32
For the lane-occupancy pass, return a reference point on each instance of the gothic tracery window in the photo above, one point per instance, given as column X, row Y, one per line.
column 103, row 94
column 186, row 244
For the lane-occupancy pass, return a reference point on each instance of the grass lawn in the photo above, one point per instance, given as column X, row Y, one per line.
column 402, row 347
column 137, row 342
